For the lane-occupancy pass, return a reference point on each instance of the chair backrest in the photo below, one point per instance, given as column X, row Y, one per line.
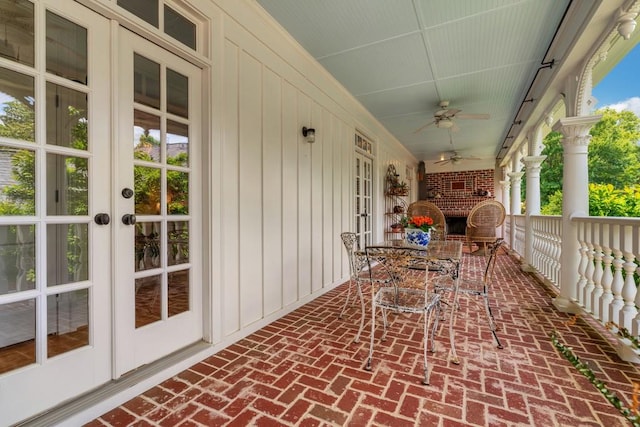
column 352, row 245
column 401, row 267
column 426, row 208
column 484, row 218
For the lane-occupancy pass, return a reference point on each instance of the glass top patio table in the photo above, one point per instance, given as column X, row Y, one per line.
column 446, row 258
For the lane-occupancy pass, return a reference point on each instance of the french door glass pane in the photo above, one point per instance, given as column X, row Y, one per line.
column 147, row 190
column 17, row 334
column 17, row 258
column 177, row 242
column 67, row 185
column 178, row 294
column 146, row 81
column 66, row 117
column 147, row 245
column 17, row 106
column 148, row 300
column 146, row 136
column 177, row 143
column 67, row 253
column 177, row 94
column 68, row 320
column 66, row 48
column 177, row 193
column 17, row 188
column 17, row 35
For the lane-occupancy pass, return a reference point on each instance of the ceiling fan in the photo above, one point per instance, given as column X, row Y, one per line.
column 455, row 158
column 443, row 118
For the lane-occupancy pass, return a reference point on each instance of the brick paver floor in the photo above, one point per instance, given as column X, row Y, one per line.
column 304, row 369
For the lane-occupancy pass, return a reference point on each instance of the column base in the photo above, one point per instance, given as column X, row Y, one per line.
column 565, row 305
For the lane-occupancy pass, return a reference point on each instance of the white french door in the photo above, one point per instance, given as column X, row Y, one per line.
column 363, row 179
column 55, row 243
column 158, row 284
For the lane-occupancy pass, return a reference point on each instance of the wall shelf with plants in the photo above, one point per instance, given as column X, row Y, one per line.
column 395, row 192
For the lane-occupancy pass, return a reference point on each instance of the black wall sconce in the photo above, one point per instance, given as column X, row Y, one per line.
column 309, row 133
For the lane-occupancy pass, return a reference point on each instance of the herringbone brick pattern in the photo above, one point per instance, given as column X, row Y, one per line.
column 305, row 369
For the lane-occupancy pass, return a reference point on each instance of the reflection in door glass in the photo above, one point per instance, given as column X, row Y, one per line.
column 67, row 253
column 178, row 297
column 146, row 81
column 66, row 117
column 17, row 258
column 177, row 94
column 68, row 320
column 177, row 193
column 147, row 245
column 17, row 334
column 17, row 106
column 177, row 242
column 146, row 136
column 177, row 143
column 67, row 185
column 17, row 188
column 66, row 48
column 147, row 190
column 148, row 300
column 16, row 37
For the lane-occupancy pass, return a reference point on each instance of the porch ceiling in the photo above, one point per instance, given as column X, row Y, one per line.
column 401, row 58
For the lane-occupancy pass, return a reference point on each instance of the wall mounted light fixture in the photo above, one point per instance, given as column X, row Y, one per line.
column 309, row 133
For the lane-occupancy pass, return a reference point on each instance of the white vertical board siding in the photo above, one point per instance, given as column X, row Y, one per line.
column 290, row 144
column 272, row 185
column 341, row 193
column 284, row 201
column 323, row 140
column 304, row 198
column 326, row 214
column 229, row 203
column 251, row 212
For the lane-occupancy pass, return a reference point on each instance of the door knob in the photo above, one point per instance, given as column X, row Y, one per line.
column 127, row 193
column 102, row 219
column 128, row 219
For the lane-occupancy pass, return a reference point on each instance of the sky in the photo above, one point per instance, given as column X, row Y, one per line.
column 620, row 89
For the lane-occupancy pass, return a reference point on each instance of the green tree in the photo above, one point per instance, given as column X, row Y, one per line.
column 614, row 166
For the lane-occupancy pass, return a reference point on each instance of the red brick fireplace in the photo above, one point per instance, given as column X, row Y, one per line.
column 456, row 193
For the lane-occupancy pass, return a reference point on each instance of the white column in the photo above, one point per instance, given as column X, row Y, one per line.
column 516, row 199
column 506, row 201
column 575, row 202
column 532, row 200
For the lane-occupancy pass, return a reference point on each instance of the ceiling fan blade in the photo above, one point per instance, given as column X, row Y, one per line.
column 420, row 129
column 473, row 116
column 440, row 162
column 450, row 113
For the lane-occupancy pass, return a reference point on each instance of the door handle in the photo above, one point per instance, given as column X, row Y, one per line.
column 128, row 219
column 102, row 219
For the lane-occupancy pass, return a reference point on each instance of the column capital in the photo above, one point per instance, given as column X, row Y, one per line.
column 576, row 129
column 533, row 163
column 515, row 176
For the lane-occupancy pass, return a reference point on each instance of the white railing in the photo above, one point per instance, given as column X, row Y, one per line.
column 609, row 251
column 609, row 259
column 547, row 239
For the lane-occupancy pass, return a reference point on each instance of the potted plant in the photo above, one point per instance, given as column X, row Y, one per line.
column 418, row 229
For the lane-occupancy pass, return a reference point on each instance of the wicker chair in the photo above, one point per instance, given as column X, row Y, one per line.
column 423, row 207
column 482, row 224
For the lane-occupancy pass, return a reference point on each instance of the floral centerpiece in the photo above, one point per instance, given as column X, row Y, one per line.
column 418, row 229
